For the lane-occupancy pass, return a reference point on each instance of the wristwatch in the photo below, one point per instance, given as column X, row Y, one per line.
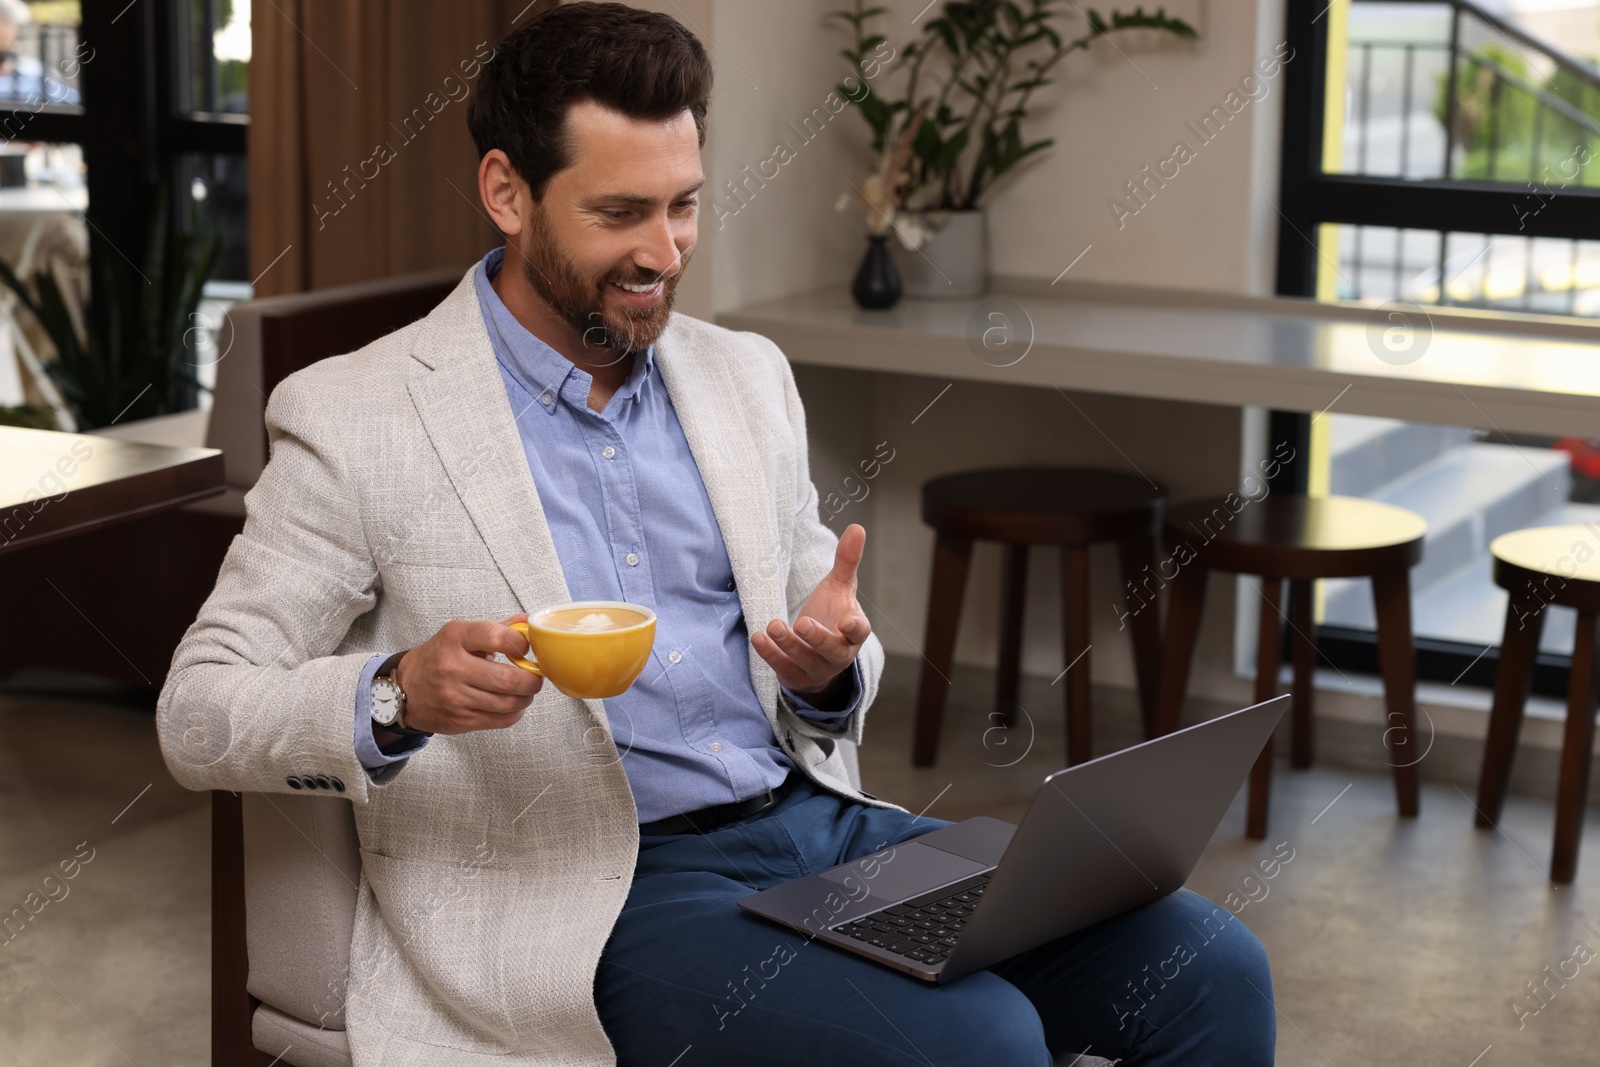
column 388, row 700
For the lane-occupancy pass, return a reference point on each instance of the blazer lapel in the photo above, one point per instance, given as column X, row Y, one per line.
column 468, row 418
column 710, row 399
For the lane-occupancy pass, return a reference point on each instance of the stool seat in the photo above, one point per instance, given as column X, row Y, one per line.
column 1539, row 567
column 1043, row 505
column 1568, row 553
column 1299, row 540
column 1071, row 508
column 1300, row 537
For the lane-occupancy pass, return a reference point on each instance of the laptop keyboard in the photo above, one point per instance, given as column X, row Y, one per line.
column 924, row 928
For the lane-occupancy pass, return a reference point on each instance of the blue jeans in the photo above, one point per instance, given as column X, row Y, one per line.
column 688, row 973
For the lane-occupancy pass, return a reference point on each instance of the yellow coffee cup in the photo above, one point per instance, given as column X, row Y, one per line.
column 589, row 648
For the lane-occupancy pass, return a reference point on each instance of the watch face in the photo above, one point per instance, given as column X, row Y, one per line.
column 385, row 701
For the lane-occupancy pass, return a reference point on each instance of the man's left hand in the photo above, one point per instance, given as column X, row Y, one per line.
column 829, row 630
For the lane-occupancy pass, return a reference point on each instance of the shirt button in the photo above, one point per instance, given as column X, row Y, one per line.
column 608, row 451
column 715, row 746
column 674, row 656
column 546, row 399
column 633, row 560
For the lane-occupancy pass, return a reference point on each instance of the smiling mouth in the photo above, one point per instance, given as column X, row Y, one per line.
column 639, row 290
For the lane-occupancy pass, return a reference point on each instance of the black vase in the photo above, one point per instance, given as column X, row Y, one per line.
column 877, row 283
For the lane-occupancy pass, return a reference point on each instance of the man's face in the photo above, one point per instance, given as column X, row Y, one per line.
column 624, row 213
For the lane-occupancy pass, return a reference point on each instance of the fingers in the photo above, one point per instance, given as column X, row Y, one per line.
column 855, row 629
column 834, row 645
column 847, row 555
column 477, row 671
column 790, row 675
column 805, row 655
column 487, row 638
column 453, row 684
column 482, row 695
column 809, row 653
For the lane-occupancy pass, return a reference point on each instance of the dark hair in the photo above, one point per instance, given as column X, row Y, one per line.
column 640, row 63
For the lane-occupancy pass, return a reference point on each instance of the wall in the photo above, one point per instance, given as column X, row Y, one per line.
column 361, row 165
column 1113, row 111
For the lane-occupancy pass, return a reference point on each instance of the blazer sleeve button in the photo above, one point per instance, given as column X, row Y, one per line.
column 322, row 782
column 338, row 785
column 295, row 782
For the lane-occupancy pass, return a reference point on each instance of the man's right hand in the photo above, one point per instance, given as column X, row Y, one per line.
column 453, row 686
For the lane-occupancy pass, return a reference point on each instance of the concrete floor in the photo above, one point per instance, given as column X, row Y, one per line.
column 1391, row 942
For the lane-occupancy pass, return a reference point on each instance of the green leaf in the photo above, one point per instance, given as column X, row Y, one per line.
column 1037, row 146
column 1158, row 21
column 927, row 142
column 948, row 154
column 132, row 356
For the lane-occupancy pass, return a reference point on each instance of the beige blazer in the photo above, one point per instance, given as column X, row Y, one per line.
column 398, row 498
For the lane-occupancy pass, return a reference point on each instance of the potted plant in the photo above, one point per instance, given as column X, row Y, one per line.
column 139, row 365
column 957, row 128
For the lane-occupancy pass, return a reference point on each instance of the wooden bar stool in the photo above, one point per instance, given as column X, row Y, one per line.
column 1539, row 567
column 1298, row 539
column 1021, row 506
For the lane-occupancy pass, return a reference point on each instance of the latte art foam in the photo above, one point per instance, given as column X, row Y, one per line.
column 590, row 620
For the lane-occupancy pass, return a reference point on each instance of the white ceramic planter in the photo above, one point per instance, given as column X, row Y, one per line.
column 950, row 265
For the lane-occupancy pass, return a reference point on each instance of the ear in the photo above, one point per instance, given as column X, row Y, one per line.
column 503, row 192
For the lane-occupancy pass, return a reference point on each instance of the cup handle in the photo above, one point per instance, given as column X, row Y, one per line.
column 529, row 665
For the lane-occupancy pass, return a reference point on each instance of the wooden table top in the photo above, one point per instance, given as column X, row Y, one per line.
column 54, row 484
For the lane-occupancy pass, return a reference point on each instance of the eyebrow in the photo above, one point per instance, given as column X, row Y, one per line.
column 635, row 200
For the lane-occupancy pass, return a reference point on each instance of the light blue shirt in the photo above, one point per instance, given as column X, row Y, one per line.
column 631, row 521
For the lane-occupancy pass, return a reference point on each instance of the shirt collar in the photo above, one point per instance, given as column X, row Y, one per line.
column 542, row 370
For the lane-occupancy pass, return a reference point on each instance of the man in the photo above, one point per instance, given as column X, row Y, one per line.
column 553, row 881
column 22, row 76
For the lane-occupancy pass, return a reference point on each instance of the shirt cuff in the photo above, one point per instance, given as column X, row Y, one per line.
column 852, row 698
column 371, row 756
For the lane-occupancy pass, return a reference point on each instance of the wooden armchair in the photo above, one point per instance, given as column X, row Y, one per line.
column 265, row 341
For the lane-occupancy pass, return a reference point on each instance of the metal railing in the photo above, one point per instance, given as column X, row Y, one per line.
column 1480, row 120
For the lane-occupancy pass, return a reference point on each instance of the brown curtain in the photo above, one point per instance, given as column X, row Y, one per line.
column 361, row 166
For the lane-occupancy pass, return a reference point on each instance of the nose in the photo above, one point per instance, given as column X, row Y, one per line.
column 658, row 250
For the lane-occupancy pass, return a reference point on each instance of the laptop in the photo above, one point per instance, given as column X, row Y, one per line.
column 1098, row 839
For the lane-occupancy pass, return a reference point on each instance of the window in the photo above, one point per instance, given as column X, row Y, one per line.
column 116, row 114
column 1445, row 155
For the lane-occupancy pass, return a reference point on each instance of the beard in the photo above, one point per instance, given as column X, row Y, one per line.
column 580, row 302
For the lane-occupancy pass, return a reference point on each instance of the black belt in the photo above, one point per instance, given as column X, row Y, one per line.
column 707, row 819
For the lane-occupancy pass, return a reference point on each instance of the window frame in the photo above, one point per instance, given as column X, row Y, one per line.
column 128, row 124
column 1307, row 198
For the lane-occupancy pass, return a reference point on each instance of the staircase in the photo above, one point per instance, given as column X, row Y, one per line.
column 1470, row 492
